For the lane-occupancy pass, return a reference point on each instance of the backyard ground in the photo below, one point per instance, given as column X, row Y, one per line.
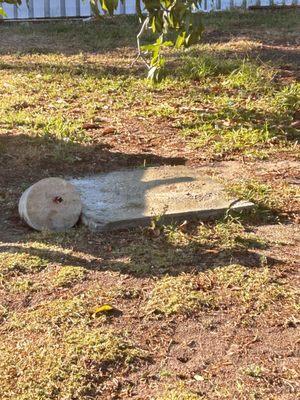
column 194, row 311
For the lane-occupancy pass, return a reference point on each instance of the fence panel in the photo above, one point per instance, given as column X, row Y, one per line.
column 79, row 8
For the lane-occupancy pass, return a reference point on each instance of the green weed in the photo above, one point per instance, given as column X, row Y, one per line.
column 288, row 98
column 254, row 370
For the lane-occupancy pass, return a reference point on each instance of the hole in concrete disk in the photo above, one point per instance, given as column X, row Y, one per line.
column 57, row 200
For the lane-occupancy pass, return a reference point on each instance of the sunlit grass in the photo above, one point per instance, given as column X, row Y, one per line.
column 61, row 366
column 68, row 276
column 237, row 108
column 20, row 263
column 267, row 197
column 221, row 287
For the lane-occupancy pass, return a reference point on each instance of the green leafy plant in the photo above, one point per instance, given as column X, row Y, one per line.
column 165, row 18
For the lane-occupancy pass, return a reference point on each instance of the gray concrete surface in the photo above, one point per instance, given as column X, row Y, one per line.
column 131, row 198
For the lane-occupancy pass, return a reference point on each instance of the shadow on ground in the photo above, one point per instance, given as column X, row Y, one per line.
column 137, row 252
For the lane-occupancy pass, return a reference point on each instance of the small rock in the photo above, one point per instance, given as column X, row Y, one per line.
column 198, row 378
column 101, row 119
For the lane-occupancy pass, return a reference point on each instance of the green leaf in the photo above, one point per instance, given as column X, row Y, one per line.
column 180, row 40
column 109, row 5
column 155, row 74
column 165, row 17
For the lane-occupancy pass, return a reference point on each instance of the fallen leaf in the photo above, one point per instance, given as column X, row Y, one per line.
column 108, row 130
column 90, row 125
column 296, row 124
column 104, row 309
column 101, row 309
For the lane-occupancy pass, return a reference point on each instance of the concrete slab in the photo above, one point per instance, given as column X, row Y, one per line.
column 129, row 198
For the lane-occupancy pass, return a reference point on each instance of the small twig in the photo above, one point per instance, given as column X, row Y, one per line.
column 140, row 53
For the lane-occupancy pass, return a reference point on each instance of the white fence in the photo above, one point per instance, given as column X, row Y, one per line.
column 79, row 8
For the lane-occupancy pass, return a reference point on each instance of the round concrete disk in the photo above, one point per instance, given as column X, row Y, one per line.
column 51, row 204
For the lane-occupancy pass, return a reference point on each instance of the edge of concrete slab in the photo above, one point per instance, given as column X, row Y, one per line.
column 203, row 215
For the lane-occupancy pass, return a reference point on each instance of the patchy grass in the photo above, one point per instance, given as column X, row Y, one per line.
column 148, row 256
column 179, row 394
column 206, row 66
column 60, row 352
column 238, row 73
column 221, row 287
column 250, row 77
column 254, row 370
column 228, row 233
column 13, row 270
column 68, row 276
column 179, row 294
column 254, row 287
column 223, row 101
column 267, row 197
column 20, row 263
column 230, row 123
column 22, row 286
column 58, row 312
column 175, row 248
column 65, row 366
